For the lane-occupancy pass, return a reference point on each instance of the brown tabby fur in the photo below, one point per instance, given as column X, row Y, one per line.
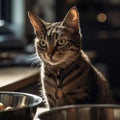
column 67, row 75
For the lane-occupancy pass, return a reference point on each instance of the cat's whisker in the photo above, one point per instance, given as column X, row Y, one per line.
column 32, row 57
column 35, row 63
column 38, row 65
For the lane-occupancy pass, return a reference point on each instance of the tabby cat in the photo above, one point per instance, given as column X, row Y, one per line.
column 67, row 75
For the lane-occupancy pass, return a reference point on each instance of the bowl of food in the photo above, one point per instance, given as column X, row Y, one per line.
column 82, row 112
column 18, row 105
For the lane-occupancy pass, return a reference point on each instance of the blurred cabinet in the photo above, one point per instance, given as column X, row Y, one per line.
column 101, row 32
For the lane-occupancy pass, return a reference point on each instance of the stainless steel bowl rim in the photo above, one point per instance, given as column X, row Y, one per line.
column 113, row 106
column 39, row 100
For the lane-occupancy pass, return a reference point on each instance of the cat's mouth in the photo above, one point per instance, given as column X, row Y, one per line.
column 53, row 62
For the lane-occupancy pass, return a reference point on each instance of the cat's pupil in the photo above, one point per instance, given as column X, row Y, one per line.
column 61, row 42
column 43, row 43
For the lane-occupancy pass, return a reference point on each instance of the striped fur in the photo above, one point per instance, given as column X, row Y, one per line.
column 67, row 75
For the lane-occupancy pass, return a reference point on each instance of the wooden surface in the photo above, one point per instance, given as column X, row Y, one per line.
column 14, row 78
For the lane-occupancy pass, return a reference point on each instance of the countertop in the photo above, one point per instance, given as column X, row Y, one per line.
column 14, row 78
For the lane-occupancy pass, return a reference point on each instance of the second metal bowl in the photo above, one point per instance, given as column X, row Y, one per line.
column 82, row 112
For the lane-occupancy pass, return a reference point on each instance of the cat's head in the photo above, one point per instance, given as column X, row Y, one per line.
column 57, row 43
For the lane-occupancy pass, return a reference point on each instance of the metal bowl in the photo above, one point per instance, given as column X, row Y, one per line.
column 24, row 105
column 82, row 112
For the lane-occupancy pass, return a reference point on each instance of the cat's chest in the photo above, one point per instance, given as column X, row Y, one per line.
column 56, row 80
column 55, row 83
column 64, row 82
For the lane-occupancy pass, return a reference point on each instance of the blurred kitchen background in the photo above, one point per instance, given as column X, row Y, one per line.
column 100, row 24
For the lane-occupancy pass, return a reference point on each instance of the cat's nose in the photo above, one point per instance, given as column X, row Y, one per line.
column 50, row 54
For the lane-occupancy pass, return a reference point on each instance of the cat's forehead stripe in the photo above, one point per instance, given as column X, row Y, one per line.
column 54, row 31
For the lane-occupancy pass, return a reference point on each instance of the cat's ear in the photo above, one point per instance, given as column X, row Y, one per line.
column 37, row 23
column 72, row 18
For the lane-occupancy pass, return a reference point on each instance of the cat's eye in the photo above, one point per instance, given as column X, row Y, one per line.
column 43, row 44
column 61, row 42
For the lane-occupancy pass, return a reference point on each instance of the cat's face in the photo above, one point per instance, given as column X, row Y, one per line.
column 56, row 46
column 57, row 43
